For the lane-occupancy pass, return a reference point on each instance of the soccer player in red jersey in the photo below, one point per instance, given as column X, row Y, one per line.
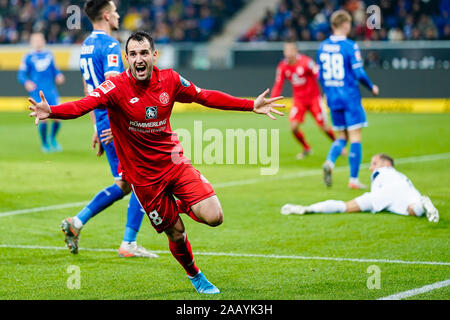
column 139, row 102
column 302, row 73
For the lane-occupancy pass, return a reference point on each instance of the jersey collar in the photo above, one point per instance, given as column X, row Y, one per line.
column 155, row 77
column 337, row 38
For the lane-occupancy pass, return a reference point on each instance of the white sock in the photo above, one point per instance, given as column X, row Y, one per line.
column 330, row 163
column 354, row 180
column 77, row 222
column 128, row 243
column 328, row 206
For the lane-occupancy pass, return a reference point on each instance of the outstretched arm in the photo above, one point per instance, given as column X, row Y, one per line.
column 68, row 110
column 220, row 100
column 279, row 82
column 187, row 92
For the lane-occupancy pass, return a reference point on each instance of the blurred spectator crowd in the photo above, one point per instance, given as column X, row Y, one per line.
column 308, row 20
column 167, row 20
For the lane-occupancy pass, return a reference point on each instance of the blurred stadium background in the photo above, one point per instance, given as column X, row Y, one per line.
column 215, row 42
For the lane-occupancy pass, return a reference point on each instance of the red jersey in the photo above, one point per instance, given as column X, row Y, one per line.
column 139, row 115
column 303, row 76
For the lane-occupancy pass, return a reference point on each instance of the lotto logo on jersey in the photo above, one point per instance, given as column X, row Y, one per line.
column 113, row 60
column 107, row 86
column 151, row 112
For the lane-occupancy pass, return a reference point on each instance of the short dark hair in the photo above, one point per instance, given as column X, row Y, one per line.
column 94, row 9
column 386, row 157
column 140, row 36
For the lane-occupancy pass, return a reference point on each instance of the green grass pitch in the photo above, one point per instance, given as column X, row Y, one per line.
column 256, row 253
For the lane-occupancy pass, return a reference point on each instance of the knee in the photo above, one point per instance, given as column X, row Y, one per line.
column 215, row 218
column 294, row 126
column 124, row 186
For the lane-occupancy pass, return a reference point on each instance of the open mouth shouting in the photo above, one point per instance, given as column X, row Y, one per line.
column 141, row 71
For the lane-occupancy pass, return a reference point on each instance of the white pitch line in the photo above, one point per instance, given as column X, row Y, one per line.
column 306, row 173
column 245, row 255
column 417, row 291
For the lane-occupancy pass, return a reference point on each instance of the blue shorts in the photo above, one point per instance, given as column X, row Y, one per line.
column 51, row 97
column 110, row 150
column 348, row 118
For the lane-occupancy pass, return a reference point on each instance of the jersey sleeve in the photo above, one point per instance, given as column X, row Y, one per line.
column 112, row 59
column 319, row 71
column 358, row 67
column 311, row 67
column 22, row 75
column 279, row 81
column 187, row 92
column 106, row 95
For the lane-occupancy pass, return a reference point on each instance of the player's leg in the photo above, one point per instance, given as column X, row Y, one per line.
column 43, row 129
column 327, row 206
column 296, row 118
column 339, row 125
column 356, row 120
column 163, row 213
column 53, row 99
column 129, row 247
column 355, row 158
column 72, row 226
column 334, row 152
column 56, row 126
column 196, row 197
column 181, row 250
column 318, row 111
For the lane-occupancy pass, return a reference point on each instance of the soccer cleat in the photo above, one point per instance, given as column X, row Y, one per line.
column 202, row 285
column 46, row 148
column 288, row 209
column 327, row 174
column 132, row 250
column 55, row 146
column 356, row 185
column 430, row 210
column 302, row 155
column 72, row 235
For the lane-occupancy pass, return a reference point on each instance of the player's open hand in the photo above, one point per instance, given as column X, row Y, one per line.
column 266, row 106
column 40, row 110
column 95, row 141
column 106, row 136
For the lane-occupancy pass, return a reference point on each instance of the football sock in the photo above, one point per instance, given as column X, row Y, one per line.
column 56, row 125
column 328, row 206
column 336, row 150
column 354, row 159
column 135, row 214
column 184, row 208
column 301, row 138
column 43, row 133
column 182, row 251
column 101, row 201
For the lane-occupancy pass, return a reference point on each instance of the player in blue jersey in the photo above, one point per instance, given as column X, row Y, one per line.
column 341, row 69
column 38, row 71
column 100, row 59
